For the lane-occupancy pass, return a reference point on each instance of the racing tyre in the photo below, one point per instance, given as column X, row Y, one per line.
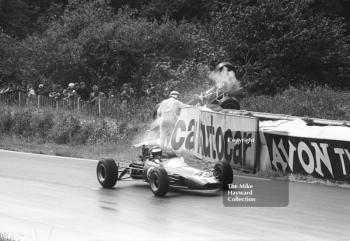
column 159, row 182
column 107, row 173
column 223, row 172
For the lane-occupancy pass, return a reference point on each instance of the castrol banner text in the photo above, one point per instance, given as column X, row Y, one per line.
column 214, row 136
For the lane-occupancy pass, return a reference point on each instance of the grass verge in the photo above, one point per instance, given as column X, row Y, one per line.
column 319, row 102
column 120, row 151
column 4, row 237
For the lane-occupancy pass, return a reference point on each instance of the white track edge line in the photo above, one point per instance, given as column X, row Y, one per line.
column 46, row 155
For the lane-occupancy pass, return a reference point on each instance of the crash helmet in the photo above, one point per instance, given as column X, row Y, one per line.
column 228, row 65
column 156, row 151
column 174, row 94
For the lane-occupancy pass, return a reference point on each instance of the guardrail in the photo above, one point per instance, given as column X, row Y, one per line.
column 272, row 116
column 101, row 107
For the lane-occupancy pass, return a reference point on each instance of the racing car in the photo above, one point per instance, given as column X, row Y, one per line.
column 163, row 171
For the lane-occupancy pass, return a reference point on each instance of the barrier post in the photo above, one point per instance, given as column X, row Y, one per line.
column 257, row 147
column 19, row 99
column 78, row 104
column 99, row 107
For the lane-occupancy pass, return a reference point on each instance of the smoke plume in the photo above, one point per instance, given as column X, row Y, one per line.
column 225, row 80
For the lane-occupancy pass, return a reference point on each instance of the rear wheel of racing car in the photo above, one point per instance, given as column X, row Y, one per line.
column 107, row 173
column 159, row 182
column 223, row 172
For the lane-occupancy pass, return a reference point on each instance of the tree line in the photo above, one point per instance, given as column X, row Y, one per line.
column 274, row 44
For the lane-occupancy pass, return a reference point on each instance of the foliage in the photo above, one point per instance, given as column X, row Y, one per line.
column 20, row 18
column 41, row 123
column 61, row 127
column 318, row 102
column 274, row 44
column 5, row 121
column 65, row 128
column 277, row 43
column 196, row 10
column 93, row 44
column 8, row 58
column 5, row 237
column 21, row 123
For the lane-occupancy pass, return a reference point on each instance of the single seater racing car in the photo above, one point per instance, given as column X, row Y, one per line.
column 164, row 170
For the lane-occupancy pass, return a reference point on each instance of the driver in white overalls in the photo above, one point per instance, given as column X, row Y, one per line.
column 168, row 112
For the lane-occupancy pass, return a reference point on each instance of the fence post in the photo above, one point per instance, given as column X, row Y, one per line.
column 39, row 101
column 99, row 107
column 19, row 98
column 78, row 104
column 56, row 105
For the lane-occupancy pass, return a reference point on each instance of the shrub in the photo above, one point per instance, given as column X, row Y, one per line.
column 278, row 43
column 21, row 123
column 106, row 130
column 41, row 124
column 92, row 42
column 5, row 121
column 64, row 129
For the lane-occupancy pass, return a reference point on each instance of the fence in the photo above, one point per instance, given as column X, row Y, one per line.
column 112, row 107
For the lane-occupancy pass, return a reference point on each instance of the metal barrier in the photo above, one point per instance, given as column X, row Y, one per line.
column 101, row 107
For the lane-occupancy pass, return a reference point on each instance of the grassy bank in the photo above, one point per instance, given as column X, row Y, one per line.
column 50, row 126
column 119, row 151
column 4, row 237
column 318, row 102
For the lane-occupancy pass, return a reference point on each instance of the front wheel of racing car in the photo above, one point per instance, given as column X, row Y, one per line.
column 159, row 182
column 107, row 173
column 224, row 174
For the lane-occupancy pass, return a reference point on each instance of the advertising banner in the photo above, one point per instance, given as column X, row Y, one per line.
column 214, row 136
column 321, row 158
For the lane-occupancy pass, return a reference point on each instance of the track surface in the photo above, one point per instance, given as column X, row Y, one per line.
column 53, row 198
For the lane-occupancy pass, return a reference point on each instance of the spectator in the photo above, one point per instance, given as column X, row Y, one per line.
column 41, row 90
column 56, row 93
column 83, row 91
column 110, row 94
column 23, row 87
column 126, row 93
column 94, row 95
column 30, row 90
column 70, row 93
column 102, row 96
column 9, row 89
column 76, row 85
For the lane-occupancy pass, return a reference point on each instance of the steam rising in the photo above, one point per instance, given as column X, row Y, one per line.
column 149, row 137
column 225, row 80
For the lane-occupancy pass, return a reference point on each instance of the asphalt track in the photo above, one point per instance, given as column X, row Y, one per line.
column 53, row 198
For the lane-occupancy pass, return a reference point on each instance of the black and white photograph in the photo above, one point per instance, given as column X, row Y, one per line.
column 179, row 120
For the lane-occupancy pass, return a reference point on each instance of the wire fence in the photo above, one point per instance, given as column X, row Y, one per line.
column 134, row 110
